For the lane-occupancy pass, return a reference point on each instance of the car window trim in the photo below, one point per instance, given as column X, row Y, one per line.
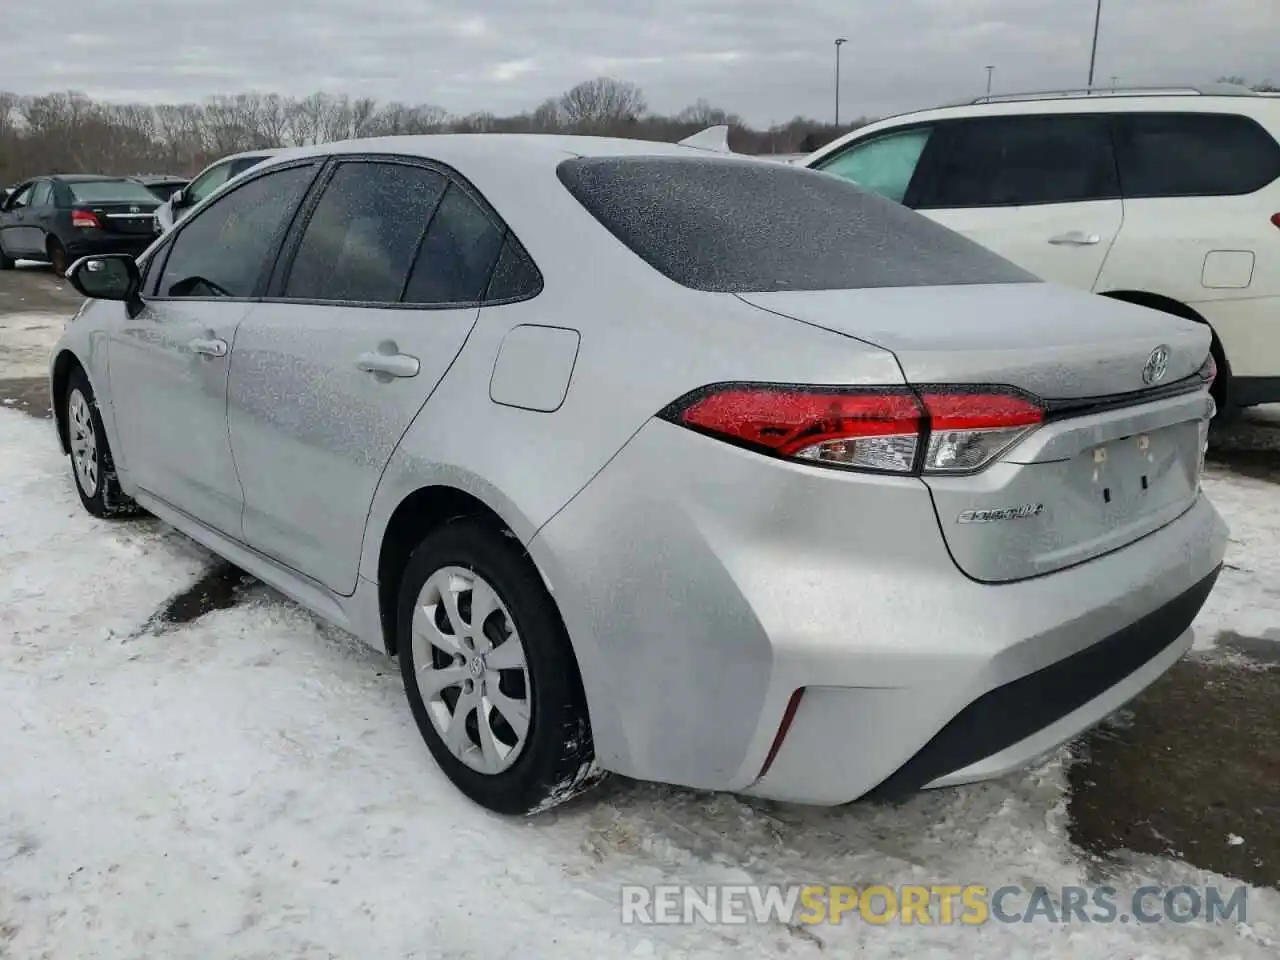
column 273, row 255
column 293, row 240
column 954, row 124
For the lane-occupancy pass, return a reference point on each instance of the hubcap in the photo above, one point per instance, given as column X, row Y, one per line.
column 84, row 442
column 470, row 669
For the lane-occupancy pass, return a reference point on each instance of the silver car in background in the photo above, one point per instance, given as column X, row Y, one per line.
column 211, row 178
column 703, row 470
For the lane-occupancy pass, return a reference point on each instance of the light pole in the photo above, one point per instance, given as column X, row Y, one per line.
column 840, row 41
column 990, row 70
column 1093, row 57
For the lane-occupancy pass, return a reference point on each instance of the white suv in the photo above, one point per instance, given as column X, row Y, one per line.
column 1169, row 198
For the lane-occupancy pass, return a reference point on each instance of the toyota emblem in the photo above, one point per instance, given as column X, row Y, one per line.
column 1157, row 365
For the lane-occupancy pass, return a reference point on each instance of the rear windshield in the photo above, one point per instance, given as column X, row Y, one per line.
column 745, row 226
column 110, row 191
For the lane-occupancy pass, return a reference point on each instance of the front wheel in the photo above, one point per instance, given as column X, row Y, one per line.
column 91, row 464
column 489, row 672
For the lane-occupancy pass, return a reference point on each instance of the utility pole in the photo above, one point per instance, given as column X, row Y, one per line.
column 990, row 70
column 840, row 41
column 1093, row 57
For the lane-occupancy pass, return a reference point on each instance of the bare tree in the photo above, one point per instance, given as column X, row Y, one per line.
column 67, row 131
column 602, row 102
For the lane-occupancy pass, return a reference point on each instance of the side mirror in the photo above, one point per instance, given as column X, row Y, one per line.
column 110, row 277
column 178, row 198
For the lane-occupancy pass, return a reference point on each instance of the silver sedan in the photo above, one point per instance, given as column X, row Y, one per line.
column 698, row 469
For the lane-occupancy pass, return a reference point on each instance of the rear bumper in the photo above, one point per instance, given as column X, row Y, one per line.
column 85, row 245
column 1010, row 726
column 703, row 585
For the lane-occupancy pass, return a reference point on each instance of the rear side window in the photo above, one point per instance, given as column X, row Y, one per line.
column 241, row 164
column 1016, row 161
column 458, row 253
column 224, row 249
column 741, row 226
column 361, row 241
column 884, row 164
column 43, row 195
column 111, row 191
column 515, row 277
column 1193, row 155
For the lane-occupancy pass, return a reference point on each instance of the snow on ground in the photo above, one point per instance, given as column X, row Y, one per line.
column 1246, row 598
column 251, row 785
column 25, row 342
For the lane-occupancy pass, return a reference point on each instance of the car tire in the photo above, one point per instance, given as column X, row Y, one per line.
column 57, row 256
column 6, row 262
column 92, row 467
column 461, row 676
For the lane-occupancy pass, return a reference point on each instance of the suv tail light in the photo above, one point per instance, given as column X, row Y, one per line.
column 85, row 219
column 1275, row 219
column 879, row 429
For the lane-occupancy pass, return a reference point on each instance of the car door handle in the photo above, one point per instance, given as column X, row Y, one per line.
column 208, row 348
column 1076, row 238
column 391, row 364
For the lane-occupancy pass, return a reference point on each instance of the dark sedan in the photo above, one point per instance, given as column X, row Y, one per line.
column 57, row 219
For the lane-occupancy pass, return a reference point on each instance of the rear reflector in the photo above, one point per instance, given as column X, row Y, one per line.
column 788, row 717
column 1209, row 369
column 879, row 429
column 86, row 219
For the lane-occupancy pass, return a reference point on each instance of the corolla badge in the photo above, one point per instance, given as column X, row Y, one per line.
column 1157, row 365
column 1023, row 512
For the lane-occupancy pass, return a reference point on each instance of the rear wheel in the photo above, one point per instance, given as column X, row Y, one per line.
column 57, row 256
column 91, row 464
column 489, row 672
column 6, row 262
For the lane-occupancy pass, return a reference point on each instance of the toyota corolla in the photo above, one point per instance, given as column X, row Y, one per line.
column 703, row 470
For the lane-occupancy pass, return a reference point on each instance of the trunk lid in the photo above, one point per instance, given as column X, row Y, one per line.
column 1117, row 458
column 133, row 219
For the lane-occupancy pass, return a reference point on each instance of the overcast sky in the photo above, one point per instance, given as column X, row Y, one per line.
column 765, row 59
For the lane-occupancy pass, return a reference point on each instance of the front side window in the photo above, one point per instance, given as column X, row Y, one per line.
column 223, row 250
column 361, row 241
column 1193, row 155
column 458, row 253
column 1016, row 161
column 21, row 198
column 884, row 164
column 208, row 182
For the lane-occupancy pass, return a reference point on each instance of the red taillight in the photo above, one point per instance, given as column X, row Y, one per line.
column 86, row 219
column 892, row 429
column 1275, row 219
